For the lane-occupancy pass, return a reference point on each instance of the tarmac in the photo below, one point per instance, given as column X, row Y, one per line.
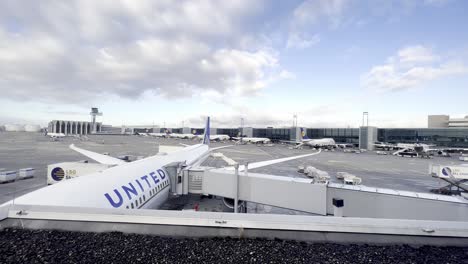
column 23, row 150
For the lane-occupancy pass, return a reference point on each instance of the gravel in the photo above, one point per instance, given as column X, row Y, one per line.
column 44, row 246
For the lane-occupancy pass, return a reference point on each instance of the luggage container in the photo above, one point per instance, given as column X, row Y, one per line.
column 26, row 173
column 7, row 176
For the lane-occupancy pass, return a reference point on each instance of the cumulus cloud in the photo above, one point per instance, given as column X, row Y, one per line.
column 76, row 50
column 309, row 14
column 410, row 68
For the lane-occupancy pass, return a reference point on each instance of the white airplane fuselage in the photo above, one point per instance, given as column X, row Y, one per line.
column 216, row 137
column 142, row 184
column 56, row 135
column 255, row 140
column 158, row 134
column 183, row 136
column 323, row 142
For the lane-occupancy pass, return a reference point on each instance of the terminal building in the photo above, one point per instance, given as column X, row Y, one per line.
column 68, row 127
column 442, row 131
column 447, row 137
column 444, row 121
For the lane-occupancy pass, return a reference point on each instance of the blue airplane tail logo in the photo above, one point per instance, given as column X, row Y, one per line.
column 303, row 134
column 206, row 137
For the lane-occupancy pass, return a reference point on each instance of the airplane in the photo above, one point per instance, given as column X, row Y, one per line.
column 158, row 134
column 183, row 136
column 55, row 135
column 315, row 143
column 344, row 145
column 425, row 150
column 384, row 146
column 254, row 140
column 142, row 184
column 216, row 137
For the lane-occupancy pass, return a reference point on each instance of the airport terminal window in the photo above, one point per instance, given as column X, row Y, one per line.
column 131, row 205
column 140, row 200
column 144, row 197
column 136, row 203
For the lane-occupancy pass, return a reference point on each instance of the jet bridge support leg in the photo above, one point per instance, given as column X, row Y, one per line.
column 236, row 186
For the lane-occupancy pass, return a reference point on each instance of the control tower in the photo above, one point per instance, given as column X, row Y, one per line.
column 94, row 112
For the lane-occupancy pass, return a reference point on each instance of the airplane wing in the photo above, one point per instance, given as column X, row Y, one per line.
column 289, row 142
column 265, row 163
column 212, row 149
column 104, row 159
column 300, row 145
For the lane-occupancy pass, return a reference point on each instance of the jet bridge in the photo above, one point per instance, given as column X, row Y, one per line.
column 330, row 198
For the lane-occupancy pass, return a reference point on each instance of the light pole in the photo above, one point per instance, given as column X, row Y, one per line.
column 242, row 129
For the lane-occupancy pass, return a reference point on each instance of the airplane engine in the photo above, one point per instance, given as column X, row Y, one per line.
column 229, row 203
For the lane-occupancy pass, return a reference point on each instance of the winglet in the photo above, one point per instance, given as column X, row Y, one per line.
column 206, row 135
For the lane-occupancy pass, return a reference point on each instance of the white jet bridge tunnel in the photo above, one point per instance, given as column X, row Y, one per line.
column 321, row 198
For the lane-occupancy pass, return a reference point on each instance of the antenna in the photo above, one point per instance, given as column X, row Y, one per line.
column 94, row 112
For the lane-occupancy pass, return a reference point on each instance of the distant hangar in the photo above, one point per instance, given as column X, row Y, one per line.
column 68, row 127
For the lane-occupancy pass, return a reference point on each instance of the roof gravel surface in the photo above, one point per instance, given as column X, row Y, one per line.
column 41, row 246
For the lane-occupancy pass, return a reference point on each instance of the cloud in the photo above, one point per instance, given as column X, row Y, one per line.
column 77, row 51
column 311, row 12
column 410, row 68
column 309, row 15
column 338, row 114
column 297, row 40
column 415, row 55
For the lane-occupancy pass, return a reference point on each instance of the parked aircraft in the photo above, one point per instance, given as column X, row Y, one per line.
column 384, row 146
column 315, row 143
column 216, row 137
column 254, row 140
column 158, row 134
column 143, row 183
column 55, row 135
column 183, row 136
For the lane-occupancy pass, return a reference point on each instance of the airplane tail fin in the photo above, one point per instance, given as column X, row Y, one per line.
column 206, row 135
column 303, row 134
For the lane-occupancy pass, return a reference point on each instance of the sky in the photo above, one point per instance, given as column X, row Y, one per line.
column 175, row 62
